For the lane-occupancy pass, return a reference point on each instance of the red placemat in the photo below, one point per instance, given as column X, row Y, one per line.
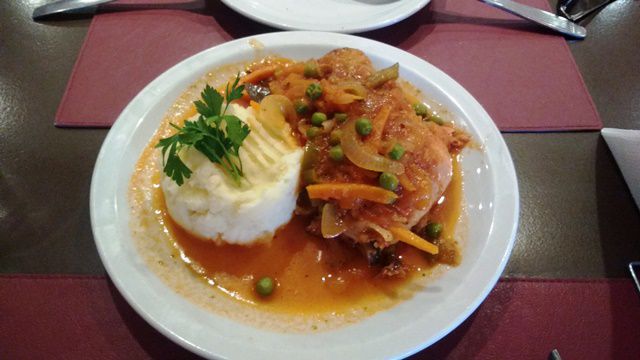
column 525, row 77
column 75, row 317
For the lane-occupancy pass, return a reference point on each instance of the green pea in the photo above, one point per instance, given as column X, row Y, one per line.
column 318, row 118
column 433, row 230
column 314, row 91
column 334, row 138
column 436, row 119
column 396, row 152
column 340, row 117
column 388, row 181
column 313, row 131
column 265, row 286
column 421, row 109
column 335, row 153
column 363, row 126
column 301, row 106
column 311, row 69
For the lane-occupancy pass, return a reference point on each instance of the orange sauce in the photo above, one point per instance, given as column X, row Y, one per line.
column 313, row 275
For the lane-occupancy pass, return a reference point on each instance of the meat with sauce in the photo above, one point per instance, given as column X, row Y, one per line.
column 427, row 163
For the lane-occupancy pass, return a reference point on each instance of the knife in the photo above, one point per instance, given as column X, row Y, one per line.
column 541, row 17
column 64, row 6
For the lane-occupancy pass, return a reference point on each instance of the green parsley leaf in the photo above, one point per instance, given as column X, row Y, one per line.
column 234, row 93
column 237, row 131
column 173, row 165
column 214, row 134
column 211, row 103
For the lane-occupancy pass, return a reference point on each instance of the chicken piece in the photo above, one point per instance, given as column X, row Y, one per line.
column 428, row 166
column 346, row 64
column 429, row 147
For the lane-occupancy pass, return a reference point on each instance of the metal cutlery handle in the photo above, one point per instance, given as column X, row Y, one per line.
column 541, row 17
column 632, row 269
column 64, row 6
column 564, row 9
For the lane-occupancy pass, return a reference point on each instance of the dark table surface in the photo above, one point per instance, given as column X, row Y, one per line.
column 578, row 219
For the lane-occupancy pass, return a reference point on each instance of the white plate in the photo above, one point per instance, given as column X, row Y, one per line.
column 492, row 203
column 346, row 16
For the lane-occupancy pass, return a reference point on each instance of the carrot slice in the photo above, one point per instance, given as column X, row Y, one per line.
column 408, row 237
column 297, row 68
column 258, row 75
column 406, row 182
column 379, row 122
column 349, row 191
column 254, row 105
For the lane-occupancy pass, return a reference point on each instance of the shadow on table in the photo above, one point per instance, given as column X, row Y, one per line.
column 150, row 340
column 623, row 328
column 412, row 30
column 619, row 224
column 618, row 216
column 460, row 343
column 466, row 341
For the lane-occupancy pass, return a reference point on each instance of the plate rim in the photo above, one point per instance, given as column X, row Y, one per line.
column 349, row 28
column 166, row 331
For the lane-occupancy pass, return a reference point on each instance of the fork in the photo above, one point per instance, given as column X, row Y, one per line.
column 564, row 6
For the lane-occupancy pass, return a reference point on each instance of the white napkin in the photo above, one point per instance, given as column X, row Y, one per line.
column 625, row 146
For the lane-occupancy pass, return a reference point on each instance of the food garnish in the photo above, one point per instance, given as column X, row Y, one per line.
column 408, row 237
column 421, row 109
column 433, row 230
column 215, row 134
column 311, row 69
column 314, row 91
column 340, row 117
column 301, row 106
column 312, row 132
column 265, row 286
column 334, row 137
column 318, row 118
column 362, row 155
column 388, row 181
column 336, row 153
column 396, row 152
column 382, row 76
column 255, row 76
column 363, row 126
column 351, row 192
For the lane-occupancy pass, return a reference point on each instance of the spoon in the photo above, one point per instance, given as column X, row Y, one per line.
column 541, row 17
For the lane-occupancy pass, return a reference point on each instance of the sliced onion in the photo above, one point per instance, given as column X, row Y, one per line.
column 363, row 155
column 348, row 93
column 328, row 125
column 354, row 87
column 344, row 98
column 330, row 225
column 276, row 112
column 386, row 234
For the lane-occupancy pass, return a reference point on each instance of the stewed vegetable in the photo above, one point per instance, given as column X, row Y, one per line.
column 265, row 286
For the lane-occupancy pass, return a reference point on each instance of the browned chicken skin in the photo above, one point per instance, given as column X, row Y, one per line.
column 429, row 148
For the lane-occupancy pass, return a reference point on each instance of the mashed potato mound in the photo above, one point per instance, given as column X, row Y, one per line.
column 210, row 205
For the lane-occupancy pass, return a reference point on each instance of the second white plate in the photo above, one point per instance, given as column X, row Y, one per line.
column 345, row 16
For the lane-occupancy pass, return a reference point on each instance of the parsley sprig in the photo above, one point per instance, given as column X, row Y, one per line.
column 217, row 135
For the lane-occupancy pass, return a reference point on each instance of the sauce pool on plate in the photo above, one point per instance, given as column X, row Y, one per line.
column 313, row 275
